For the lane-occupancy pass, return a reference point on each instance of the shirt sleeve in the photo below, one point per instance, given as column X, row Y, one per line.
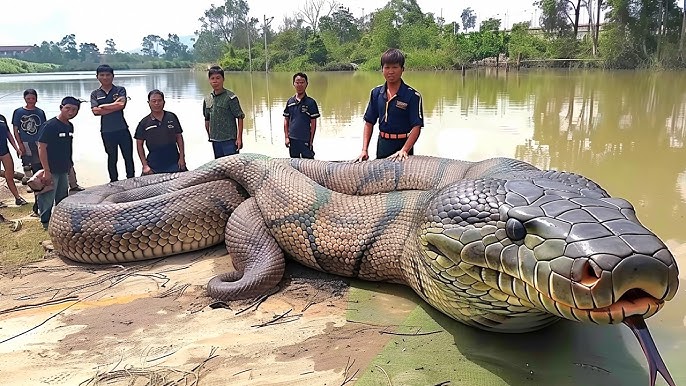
column 286, row 113
column 94, row 99
column 416, row 110
column 177, row 124
column 314, row 109
column 122, row 91
column 47, row 134
column 235, row 107
column 205, row 112
column 371, row 115
column 140, row 130
column 16, row 120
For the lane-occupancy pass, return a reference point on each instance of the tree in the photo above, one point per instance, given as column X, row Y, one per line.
column 312, row 10
column 150, row 44
column 316, row 50
column 406, row 12
column 89, row 52
column 227, row 20
column 490, row 25
column 342, row 24
column 554, row 17
column 69, row 47
column 111, row 48
column 468, row 18
column 174, row 49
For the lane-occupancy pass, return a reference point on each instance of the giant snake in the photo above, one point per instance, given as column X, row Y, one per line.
column 498, row 244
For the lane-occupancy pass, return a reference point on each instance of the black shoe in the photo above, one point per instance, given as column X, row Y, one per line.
column 20, row 201
column 77, row 188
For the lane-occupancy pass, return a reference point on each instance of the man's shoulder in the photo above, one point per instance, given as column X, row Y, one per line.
column 118, row 88
column 412, row 91
column 378, row 89
column 230, row 94
column 2, row 119
column 311, row 100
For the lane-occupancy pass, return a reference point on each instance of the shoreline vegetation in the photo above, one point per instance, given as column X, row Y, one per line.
column 606, row 34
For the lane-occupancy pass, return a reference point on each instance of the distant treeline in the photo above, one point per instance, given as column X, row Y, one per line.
column 323, row 35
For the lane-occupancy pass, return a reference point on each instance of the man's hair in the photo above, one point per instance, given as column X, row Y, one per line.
column 104, row 68
column 155, row 92
column 30, row 91
column 70, row 100
column 215, row 70
column 300, row 74
column 393, row 56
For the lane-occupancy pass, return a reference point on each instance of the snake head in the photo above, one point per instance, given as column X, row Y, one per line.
column 556, row 244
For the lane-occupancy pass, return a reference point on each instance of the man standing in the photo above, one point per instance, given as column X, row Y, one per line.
column 27, row 121
column 398, row 109
column 300, row 120
column 161, row 133
column 55, row 151
column 223, row 116
column 108, row 102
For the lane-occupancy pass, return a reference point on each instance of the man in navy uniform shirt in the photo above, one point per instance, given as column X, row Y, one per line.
column 161, row 132
column 397, row 108
column 300, row 120
column 108, row 102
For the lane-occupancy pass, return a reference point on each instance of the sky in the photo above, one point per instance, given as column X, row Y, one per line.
column 128, row 21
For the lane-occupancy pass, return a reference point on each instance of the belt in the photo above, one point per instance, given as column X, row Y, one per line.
column 385, row 135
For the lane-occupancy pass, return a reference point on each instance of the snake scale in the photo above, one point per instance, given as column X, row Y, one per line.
column 497, row 244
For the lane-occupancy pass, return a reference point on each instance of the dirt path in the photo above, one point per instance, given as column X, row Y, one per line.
column 62, row 324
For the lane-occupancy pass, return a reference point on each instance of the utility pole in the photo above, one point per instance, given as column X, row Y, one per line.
column 265, row 26
column 247, row 29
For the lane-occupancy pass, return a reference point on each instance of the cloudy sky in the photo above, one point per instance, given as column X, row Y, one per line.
column 127, row 21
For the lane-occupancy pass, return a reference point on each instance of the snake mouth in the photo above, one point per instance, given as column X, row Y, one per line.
column 633, row 303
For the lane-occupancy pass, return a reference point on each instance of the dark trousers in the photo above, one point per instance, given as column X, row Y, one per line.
column 224, row 148
column 113, row 141
column 387, row 147
column 300, row 149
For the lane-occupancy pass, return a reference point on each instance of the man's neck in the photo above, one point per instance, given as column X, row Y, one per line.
column 62, row 118
column 393, row 87
column 32, row 107
column 218, row 91
column 157, row 115
column 106, row 88
column 300, row 96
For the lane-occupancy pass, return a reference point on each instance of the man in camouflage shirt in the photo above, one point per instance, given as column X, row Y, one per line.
column 223, row 116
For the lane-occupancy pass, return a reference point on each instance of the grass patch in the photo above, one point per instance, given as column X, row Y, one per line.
column 22, row 247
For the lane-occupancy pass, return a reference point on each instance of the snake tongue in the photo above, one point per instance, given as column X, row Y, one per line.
column 655, row 363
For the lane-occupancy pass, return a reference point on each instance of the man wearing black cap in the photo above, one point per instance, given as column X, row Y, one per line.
column 55, row 152
column 108, row 103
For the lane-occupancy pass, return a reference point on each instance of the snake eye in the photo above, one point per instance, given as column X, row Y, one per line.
column 515, row 229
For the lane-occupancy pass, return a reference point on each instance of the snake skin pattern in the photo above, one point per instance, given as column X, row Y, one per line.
column 497, row 244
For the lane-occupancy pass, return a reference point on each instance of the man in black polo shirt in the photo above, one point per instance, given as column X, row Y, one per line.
column 300, row 120
column 108, row 103
column 398, row 109
column 161, row 132
column 55, row 153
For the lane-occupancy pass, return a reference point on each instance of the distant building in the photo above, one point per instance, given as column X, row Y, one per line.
column 13, row 51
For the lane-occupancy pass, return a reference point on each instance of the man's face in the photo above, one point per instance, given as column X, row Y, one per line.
column 69, row 111
column 300, row 84
column 392, row 72
column 216, row 81
column 105, row 78
column 30, row 100
column 156, row 103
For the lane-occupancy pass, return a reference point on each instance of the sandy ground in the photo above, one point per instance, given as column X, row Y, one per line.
column 63, row 323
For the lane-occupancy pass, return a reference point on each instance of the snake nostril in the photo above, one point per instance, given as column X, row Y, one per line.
column 591, row 273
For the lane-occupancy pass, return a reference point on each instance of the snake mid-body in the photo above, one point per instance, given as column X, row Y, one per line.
column 497, row 244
